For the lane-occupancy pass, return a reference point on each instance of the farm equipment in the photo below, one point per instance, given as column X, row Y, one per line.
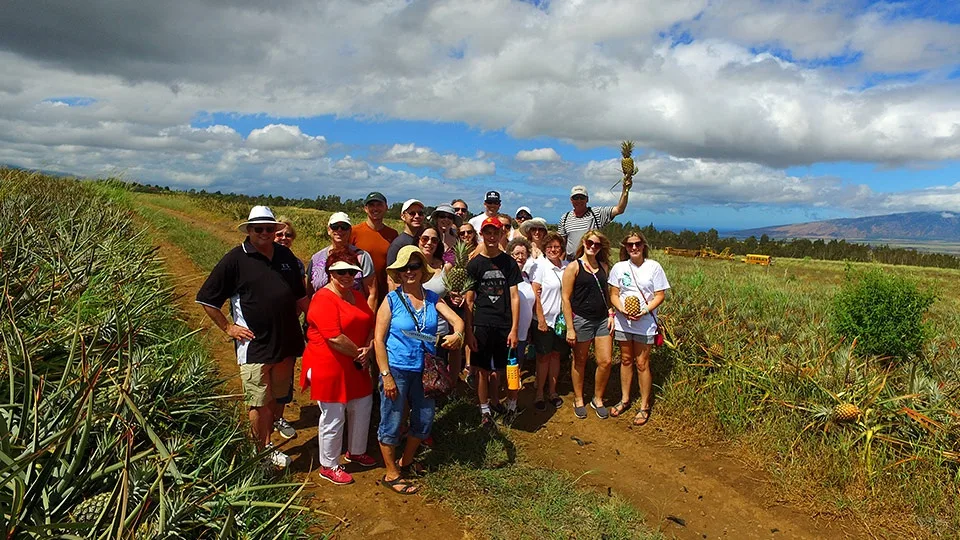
column 762, row 260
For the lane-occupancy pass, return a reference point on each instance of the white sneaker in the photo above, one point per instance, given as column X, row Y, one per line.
column 277, row 458
column 284, row 429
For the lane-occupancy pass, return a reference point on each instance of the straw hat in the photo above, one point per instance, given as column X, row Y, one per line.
column 403, row 258
column 259, row 215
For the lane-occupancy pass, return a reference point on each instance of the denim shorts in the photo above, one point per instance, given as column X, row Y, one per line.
column 642, row 339
column 587, row 329
column 409, row 389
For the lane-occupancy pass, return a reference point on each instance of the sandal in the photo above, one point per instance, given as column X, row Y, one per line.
column 642, row 417
column 404, row 485
column 619, row 408
column 415, row 469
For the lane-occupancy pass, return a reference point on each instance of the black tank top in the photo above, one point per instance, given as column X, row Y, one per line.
column 588, row 299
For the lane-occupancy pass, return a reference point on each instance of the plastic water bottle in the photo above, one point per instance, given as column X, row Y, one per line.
column 513, row 370
column 560, row 325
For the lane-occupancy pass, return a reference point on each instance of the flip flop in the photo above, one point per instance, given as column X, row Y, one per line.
column 406, row 487
column 413, row 469
column 642, row 417
column 619, row 408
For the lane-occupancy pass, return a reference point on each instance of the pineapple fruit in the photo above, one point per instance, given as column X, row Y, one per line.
column 89, row 510
column 846, row 412
column 626, row 164
column 716, row 349
column 631, row 306
column 456, row 279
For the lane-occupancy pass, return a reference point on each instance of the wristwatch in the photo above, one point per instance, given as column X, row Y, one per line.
column 384, row 373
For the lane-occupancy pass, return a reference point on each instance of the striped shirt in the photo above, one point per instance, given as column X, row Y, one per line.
column 573, row 228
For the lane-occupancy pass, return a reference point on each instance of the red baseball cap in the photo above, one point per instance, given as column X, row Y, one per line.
column 491, row 222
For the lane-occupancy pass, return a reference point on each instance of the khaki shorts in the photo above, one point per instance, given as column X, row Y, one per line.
column 263, row 383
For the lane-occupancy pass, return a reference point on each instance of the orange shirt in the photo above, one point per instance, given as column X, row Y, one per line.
column 376, row 243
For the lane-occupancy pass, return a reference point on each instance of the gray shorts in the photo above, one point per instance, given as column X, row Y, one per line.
column 587, row 330
column 639, row 338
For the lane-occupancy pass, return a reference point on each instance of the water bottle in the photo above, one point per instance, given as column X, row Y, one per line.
column 560, row 325
column 513, row 370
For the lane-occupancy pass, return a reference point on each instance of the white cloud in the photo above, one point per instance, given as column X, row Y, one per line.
column 453, row 166
column 538, row 154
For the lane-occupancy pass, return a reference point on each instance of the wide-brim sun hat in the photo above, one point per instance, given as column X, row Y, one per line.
column 403, row 258
column 446, row 209
column 259, row 215
column 532, row 223
column 344, row 265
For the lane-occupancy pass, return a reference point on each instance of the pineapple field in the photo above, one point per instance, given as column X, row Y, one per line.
column 751, row 366
column 111, row 417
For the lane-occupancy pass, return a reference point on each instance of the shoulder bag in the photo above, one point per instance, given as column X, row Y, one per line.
column 437, row 380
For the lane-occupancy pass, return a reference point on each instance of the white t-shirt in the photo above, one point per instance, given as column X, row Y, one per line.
column 550, row 278
column 643, row 282
column 527, row 299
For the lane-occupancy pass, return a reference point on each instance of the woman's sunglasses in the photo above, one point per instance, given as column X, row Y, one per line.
column 268, row 228
column 286, row 235
column 429, row 240
column 345, row 272
column 590, row 244
column 444, row 215
column 466, row 233
column 631, row 245
column 412, row 267
column 339, row 227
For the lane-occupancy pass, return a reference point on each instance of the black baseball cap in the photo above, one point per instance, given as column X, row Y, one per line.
column 375, row 196
column 492, row 197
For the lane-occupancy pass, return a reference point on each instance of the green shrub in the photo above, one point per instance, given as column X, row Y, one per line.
column 883, row 312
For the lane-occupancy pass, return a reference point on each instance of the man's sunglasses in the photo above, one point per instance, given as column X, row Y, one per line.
column 632, row 245
column 412, row 267
column 340, row 227
column 345, row 272
column 467, row 233
column 416, row 212
column 579, row 198
column 459, row 210
column 263, row 229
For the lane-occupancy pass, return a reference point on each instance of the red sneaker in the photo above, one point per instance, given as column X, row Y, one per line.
column 364, row 460
column 336, row 475
column 428, row 442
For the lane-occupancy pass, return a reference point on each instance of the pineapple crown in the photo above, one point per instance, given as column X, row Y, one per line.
column 626, row 148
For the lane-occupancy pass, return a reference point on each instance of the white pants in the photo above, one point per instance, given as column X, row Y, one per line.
column 356, row 413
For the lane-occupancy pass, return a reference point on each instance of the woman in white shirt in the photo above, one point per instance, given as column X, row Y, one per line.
column 549, row 341
column 636, row 276
column 519, row 249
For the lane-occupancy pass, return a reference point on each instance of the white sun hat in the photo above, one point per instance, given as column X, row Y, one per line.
column 259, row 215
column 339, row 217
column 344, row 265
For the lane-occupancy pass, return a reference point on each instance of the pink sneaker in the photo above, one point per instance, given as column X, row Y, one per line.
column 364, row 460
column 336, row 475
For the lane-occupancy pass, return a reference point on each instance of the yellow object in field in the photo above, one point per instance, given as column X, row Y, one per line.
column 513, row 377
column 762, row 260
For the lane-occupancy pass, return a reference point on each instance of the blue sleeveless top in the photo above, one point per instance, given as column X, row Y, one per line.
column 404, row 352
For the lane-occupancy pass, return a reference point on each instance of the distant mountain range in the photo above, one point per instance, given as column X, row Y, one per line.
column 912, row 226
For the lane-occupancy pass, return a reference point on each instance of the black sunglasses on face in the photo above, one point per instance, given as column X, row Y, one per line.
column 579, row 198
column 285, row 235
column 444, row 215
column 416, row 212
column 412, row 267
column 590, row 244
column 429, row 240
column 459, row 210
column 345, row 272
column 633, row 244
column 465, row 233
column 339, row 227
column 268, row 228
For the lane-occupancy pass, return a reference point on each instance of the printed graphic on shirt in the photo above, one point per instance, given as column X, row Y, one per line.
column 493, row 285
column 625, row 281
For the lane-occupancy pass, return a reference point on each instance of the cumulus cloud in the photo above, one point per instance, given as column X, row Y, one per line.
column 454, row 167
column 538, row 154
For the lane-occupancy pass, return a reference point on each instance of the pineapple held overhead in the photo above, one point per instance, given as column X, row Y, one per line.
column 626, row 164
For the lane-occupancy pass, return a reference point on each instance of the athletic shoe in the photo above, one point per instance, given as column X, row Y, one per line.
column 284, row 429
column 602, row 411
column 428, row 442
column 336, row 475
column 580, row 411
column 277, row 458
column 364, row 460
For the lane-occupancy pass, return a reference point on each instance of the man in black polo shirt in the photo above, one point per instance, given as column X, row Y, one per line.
column 262, row 281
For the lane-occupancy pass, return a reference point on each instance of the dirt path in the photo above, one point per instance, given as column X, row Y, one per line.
column 687, row 492
column 367, row 508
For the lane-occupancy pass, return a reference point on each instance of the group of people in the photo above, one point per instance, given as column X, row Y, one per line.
column 377, row 302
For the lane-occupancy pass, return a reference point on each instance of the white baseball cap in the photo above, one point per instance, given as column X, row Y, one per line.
column 339, row 217
column 579, row 190
column 408, row 203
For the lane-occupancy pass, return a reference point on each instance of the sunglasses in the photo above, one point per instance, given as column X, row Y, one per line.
column 429, row 240
column 459, row 210
column 523, row 218
column 494, row 203
column 416, row 212
column 285, row 235
column 590, row 244
column 579, row 198
column 412, row 267
column 345, row 272
column 339, row 227
column 444, row 215
column 467, row 233
column 268, row 228
column 632, row 245
column 539, row 230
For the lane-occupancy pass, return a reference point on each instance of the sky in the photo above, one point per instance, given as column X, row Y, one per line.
column 745, row 113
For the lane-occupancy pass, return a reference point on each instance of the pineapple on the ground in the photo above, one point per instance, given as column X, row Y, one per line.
column 456, row 280
column 846, row 412
column 626, row 164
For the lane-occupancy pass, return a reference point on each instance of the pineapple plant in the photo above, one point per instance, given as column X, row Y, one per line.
column 846, row 412
column 456, row 280
column 631, row 306
column 626, row 163
column 89, row 510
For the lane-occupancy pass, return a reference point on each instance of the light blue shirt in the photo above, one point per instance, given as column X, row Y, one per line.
column 403, row 351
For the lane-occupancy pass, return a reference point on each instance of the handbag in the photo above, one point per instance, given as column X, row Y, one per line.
column 436, row 377
column 658, row 339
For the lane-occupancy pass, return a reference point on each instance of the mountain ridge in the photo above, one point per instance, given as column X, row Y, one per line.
column 927, row 226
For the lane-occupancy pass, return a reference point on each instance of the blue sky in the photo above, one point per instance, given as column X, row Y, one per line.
column 745, row 112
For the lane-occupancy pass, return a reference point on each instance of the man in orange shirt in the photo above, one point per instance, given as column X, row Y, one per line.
column 374, row 237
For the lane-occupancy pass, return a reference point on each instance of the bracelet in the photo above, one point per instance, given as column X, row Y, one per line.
column 459, row 335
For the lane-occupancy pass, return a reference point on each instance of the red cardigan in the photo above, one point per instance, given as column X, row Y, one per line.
column 333, row 376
